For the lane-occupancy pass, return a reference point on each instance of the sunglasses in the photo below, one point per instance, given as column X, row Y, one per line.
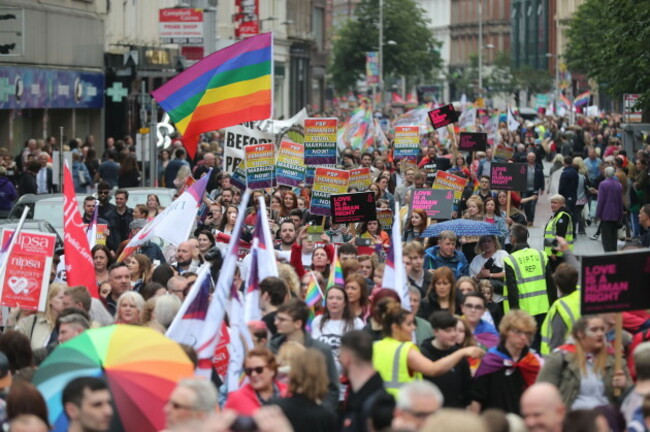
column 258, row 370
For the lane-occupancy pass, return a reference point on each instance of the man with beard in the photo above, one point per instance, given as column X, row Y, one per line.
column 184, row 259
column 112, row 241
column 287, row 234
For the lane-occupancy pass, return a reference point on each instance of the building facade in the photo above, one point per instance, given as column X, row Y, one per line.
column 439, row 13
column 51, row 70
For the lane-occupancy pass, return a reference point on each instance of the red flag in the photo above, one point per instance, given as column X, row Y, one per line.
column 78, row 260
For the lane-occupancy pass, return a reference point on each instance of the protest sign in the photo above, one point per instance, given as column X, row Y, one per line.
column 360, row 178
column 238, row 177
column 443, row 116
column 353, row 207
column 615, row 282
column 447, row 181
column 385, row 219
column 310, row 172
column 472, row 142
column 290, row 169
column 503, row 153
column 260, row 165
column 508, row 176
column 436, row 203
column 100, row 237
column 327, row 181
column 406, row 142
column 315, row 233
column 26, row 275
column 235, row 139
column 320, row 141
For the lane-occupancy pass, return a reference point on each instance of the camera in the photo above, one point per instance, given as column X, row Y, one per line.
column 552, row 243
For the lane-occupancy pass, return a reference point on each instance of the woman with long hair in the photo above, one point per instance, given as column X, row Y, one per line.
column 261, row 368
column 416, row 224
column 399, row 361
column 382, row 182
column 227, row 224
column 516, row 215
column 583, row 369
column 129, row 174
column 140, row 268
column 308, row 383
column 321, row 257
column 130, row 309
column 163, row 160
column 509, row 368
column 289, row 202
column 102, row 260
column 488, row 262
column 39, row 327
column 251, row 217
column 372, row 230
column 581, row 196
column 494, row 216
column 441, row 293
column 357, row 289
column 153, row 206
column 475, row 212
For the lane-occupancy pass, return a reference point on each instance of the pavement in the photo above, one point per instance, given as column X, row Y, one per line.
column 583, row 245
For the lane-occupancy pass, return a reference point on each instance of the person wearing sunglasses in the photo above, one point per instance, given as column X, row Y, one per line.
column 261, row 368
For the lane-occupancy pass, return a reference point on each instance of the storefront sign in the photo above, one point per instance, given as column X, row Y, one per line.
column 181, row 26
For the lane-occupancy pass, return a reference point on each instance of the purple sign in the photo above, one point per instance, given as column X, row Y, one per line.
column 443, row 116
column 22, row 88
column 471, row 142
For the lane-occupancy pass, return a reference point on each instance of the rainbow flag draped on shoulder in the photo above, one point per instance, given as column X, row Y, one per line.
column 230, row 86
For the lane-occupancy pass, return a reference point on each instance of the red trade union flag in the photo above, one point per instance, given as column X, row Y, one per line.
column 78, row 260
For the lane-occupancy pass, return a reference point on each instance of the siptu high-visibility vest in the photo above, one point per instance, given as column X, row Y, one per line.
column 568, row 307
column 529, row 266
column 389, row 357
column 551, row 231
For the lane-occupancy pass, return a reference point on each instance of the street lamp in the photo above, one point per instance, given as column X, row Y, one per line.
column 380, row 53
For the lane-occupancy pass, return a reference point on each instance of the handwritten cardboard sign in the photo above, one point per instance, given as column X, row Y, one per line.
column 508, row 176
column 353, row 207
column 447, row 181
column 327, row 181
column 26, row 276
column 436, row 203
column 443, row 116
column 320, row 141
column 472, row 141
column 615, row 282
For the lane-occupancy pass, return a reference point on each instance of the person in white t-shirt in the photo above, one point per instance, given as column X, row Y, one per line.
column 336, row 320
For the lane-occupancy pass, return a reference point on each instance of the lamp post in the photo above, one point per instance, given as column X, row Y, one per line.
column 380, row 53
column 480, row 47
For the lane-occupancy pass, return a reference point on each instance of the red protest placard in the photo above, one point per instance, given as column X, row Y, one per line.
column 27, row 274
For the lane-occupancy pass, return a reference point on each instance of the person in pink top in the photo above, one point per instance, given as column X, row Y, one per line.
column 261, row 368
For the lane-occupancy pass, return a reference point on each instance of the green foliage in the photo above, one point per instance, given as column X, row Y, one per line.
column 501, row 79
column 534, row 80
column 414, row 56
column 609, row 41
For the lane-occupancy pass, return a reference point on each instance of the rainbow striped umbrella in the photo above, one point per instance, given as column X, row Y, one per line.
column 140, row 365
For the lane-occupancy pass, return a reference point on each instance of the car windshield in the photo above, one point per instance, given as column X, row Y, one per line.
column 50, row 211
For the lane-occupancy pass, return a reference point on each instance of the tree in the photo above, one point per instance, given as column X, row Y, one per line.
column 608, row 40
column 501, row 79
column 414, row 54
column 533, row 80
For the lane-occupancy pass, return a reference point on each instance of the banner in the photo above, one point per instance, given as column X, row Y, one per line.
column 406, row 142
column 508, row 176
column 360, row 178
column 353, row 207
column 79, row 266
column 385, row 219
column 260, row 165
column 235, row 139
column 26, row 275
column 238, row 178
column 290, row 168
column 436, row 203
column 471, row 142
column 504, row 153
column 372, row 68
column 327, row 181
column 443, row 116
column 447, row 181
column 320, row 141
column 615, row 282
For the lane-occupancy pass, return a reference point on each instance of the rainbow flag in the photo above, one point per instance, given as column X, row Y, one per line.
column 582, row 99
column 336, row 273
column 565, row 101
column 227, row 87
column 313, row 295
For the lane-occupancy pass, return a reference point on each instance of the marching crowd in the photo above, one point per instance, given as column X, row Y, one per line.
column 493, row 326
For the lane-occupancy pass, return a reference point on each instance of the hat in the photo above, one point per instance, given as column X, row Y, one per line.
column 5, row 372
column 137, row 224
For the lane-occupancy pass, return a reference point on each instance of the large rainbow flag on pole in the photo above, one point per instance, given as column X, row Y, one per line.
column 229, row 86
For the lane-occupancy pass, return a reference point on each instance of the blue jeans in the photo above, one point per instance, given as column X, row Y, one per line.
column 636, row 229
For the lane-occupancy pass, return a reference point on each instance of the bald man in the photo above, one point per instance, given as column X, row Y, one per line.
column 185, row 258
column 542, row 408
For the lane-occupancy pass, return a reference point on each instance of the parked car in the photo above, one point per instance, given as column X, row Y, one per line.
column 33, row 225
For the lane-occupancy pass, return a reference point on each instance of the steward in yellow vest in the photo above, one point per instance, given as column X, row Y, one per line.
column 528, row 282
column 399, row 361
column 565, row 311
column 560, row 225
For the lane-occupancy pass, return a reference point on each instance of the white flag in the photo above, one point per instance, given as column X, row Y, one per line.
column 467, row 118
column 513, row 124
column 395, row 273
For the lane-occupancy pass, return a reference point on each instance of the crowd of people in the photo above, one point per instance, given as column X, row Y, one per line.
column 493, row 325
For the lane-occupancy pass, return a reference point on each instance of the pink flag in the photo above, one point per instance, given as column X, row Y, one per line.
column 78, row 260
